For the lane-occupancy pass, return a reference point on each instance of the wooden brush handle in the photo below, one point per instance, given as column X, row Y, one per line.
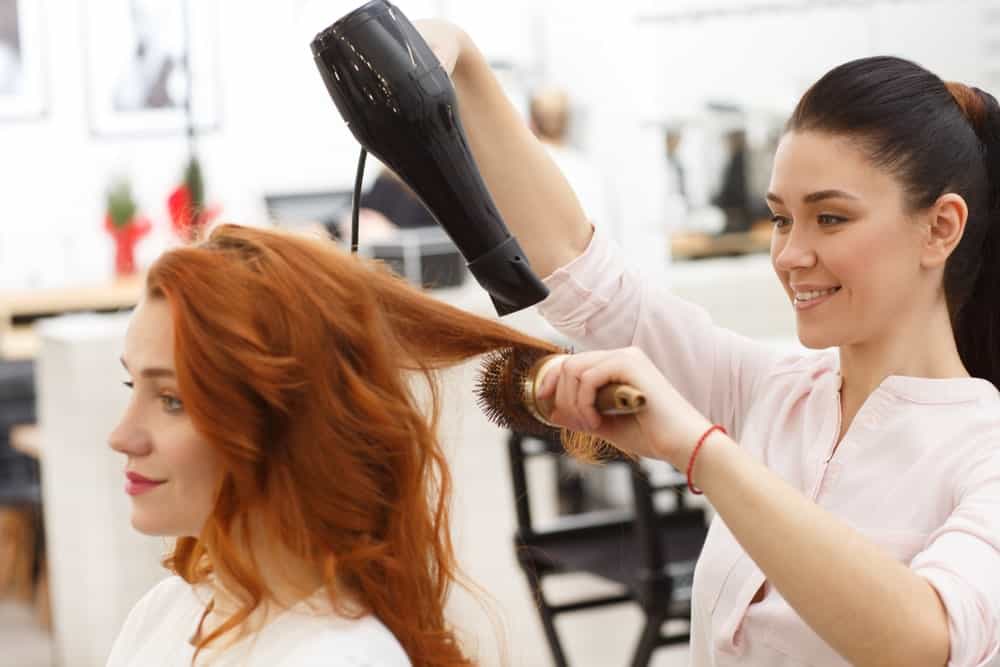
column 619, row 399
column 612, row 399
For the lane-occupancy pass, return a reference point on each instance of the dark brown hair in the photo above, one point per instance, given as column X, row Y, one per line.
column 936, row 138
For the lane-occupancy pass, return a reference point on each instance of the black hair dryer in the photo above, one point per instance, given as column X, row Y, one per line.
column 400, row 105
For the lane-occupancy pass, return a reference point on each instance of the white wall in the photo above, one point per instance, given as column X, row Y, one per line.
column 637, row 63
column 280, row 132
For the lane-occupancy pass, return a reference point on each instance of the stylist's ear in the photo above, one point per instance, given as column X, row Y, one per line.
column 945, row 226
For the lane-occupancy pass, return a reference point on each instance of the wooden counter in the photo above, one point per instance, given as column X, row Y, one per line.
column 698, row 245
column 20, row 308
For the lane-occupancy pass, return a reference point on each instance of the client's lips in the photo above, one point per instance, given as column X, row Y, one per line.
column 136, row 483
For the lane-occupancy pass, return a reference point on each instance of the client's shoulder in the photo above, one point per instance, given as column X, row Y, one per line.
column 337, row 641
column 166, row 593
column 166, row 606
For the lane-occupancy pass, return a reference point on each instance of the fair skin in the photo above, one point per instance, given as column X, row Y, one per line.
column 157, row 437
column 888, row 317
column 161, row 443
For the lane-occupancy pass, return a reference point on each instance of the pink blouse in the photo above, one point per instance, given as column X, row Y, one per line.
column 917, row 472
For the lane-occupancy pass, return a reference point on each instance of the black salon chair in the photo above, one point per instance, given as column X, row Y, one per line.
column 649, row 553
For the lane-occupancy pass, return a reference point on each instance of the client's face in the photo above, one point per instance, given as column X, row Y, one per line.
column 171, row 472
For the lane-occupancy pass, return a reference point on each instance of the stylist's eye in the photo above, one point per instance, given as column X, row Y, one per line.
column 171, row 404
column 129, row 384
column 826, row 219
column 780, row 221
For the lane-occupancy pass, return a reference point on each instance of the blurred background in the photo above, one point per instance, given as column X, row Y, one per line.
column 119, row 116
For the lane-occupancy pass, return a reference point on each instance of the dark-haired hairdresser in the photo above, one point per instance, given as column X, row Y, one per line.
column 858, row 490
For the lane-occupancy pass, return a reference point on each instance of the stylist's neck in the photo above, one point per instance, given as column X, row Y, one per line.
column 918, row 343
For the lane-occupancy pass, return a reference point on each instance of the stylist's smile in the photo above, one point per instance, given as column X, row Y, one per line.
column 808, row 296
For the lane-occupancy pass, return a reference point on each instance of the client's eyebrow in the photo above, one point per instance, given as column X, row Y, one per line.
column 814, row 197
column 152, row 372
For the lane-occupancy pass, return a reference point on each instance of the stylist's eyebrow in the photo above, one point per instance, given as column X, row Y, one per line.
column 814, row 197
column 151, row 372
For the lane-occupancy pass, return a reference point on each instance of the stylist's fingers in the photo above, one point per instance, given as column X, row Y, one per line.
column 444, row 39
column 591, row 379
column 565, row 411
column 575, row 399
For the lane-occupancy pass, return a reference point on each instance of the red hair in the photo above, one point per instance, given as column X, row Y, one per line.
column 294, row 360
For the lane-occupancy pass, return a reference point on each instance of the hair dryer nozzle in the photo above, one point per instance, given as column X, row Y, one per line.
column 400, row 105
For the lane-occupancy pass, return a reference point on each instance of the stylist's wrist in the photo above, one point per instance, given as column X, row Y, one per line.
column 446, row 40
column 465, row 46
column 714, row 447
column 469, row 63
column 673, row 439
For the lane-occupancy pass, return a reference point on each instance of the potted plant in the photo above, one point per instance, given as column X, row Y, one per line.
column 125, row 225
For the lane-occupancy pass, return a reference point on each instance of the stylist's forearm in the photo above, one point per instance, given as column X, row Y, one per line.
column 533, row 197
column 840, row 583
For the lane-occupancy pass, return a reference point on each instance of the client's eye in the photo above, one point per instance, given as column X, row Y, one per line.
column 171, row 404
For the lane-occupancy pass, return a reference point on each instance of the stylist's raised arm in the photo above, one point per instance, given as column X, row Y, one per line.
column 531, row 193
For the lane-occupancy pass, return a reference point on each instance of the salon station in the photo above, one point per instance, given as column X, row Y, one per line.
column 133, row 127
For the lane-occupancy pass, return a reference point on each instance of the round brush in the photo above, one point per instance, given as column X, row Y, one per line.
column 507, row 392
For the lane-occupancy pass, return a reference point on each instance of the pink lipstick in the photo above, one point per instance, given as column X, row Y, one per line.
column 136, row 484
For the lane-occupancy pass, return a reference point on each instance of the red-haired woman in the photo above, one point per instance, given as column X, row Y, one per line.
column 274, row 432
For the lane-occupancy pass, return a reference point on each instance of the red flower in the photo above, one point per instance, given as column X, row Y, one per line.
column 184, row 219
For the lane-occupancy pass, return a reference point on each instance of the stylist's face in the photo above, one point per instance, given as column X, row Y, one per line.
column 171, row 472
column 843, row 247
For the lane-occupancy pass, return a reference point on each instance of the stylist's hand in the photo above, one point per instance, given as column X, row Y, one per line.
column 668, row 427
column 445, row 40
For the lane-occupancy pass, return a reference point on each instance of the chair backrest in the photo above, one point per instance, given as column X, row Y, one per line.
column 517, row 457
column 654, row 553
column 684, row 527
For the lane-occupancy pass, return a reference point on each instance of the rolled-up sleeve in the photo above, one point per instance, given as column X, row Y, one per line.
column 592, row 299
column 962, row 563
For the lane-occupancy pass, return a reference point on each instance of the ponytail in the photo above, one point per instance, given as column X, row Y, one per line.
column 977, row 320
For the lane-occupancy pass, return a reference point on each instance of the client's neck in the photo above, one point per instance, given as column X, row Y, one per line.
column 287, row 578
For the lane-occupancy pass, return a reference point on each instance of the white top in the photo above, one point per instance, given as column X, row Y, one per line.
column 158, row 628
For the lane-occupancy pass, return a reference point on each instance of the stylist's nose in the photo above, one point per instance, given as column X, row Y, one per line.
column 129, row 438
column 792, row 250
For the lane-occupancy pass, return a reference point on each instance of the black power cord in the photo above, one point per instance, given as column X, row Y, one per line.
column 357, row 199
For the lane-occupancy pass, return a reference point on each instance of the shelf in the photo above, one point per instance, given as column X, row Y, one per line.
column 19, row 309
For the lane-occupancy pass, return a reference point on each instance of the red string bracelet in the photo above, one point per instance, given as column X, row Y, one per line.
column 701, row 441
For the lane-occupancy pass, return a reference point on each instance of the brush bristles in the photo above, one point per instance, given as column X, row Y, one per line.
column 500, row 395
column 500, row 390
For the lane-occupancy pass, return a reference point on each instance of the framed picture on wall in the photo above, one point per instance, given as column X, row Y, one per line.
column 147, row 60
column 21, row 74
